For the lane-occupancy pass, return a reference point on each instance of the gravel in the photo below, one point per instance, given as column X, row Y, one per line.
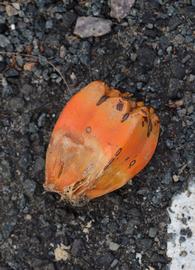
column 92, row 27
column 150, row 53
column 120, row 8
column 4, row 41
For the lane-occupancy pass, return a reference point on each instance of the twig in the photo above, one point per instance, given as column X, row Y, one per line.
column 37, row 59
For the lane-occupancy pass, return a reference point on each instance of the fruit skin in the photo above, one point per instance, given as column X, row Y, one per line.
column 101, row 140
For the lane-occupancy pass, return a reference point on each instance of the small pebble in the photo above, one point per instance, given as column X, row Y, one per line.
column 120, row 8
column 11, row 11
column 4, row 41
column 191, row 78
column 175, row 178
column 114, row 263
column 92, row 26
column 152, row 232
column 113, row 246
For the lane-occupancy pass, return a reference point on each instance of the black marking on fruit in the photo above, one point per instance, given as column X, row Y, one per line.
column 149, row 128
column 125, row 117
column 119, row 106
column 132, row 163
column 101, row 100
column 118, row 152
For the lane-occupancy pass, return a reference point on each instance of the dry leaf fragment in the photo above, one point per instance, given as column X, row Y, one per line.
column 60, row 253
column 29, row 66
column 176, row 103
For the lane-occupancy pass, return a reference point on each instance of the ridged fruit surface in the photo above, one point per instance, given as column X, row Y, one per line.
column 100, row 141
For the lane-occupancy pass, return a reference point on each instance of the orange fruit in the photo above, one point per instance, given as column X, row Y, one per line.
column 101, row 140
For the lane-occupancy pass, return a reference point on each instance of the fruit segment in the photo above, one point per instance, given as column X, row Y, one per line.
column 101, row 140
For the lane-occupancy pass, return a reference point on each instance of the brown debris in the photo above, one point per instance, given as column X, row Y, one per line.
column 176, row 103
column 28, row 66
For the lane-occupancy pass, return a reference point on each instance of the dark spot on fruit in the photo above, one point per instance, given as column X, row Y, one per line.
column 142, row 123
column 149, row 128
column 127, row 158
column 157, row 122
column 126, row 97
column 118, row 152
column 88, row 129
column 108, row 163
column 145, row 119
column 144, row 112
column 119, row 106
column 101, row 100
column 132, row 163
column 125, row 117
